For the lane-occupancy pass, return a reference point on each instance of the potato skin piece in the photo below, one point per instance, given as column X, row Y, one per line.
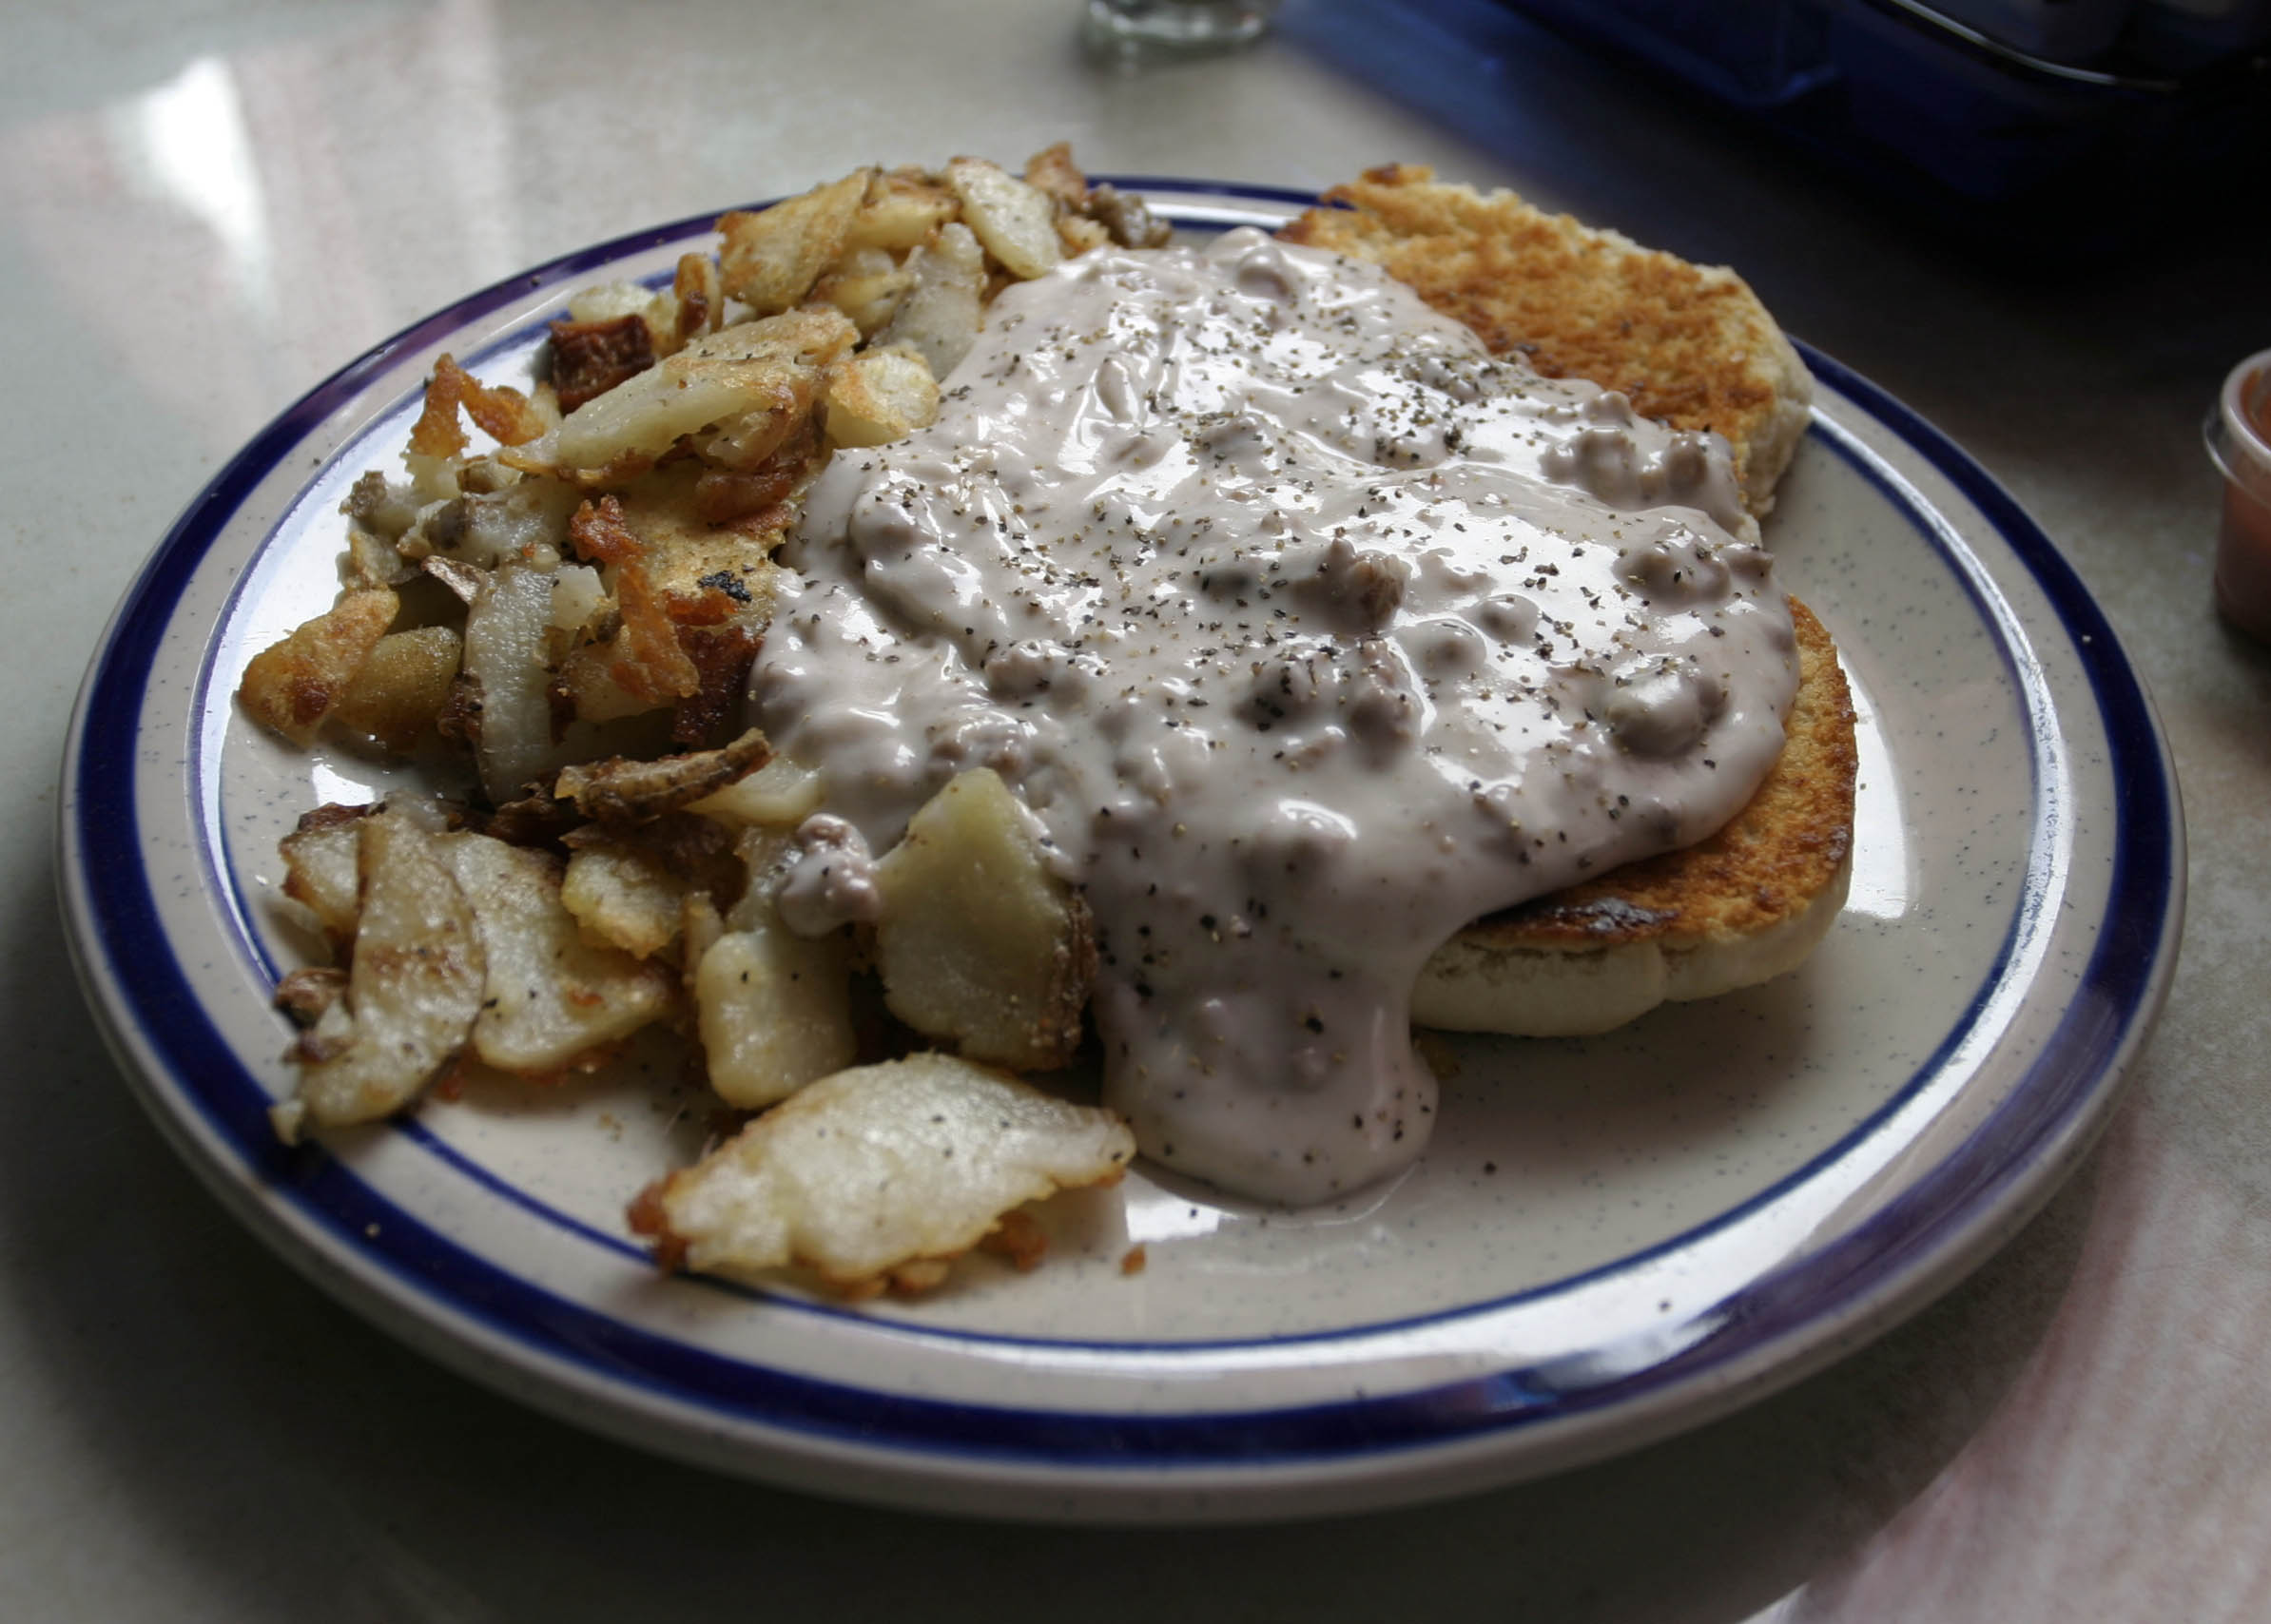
column 591, row 358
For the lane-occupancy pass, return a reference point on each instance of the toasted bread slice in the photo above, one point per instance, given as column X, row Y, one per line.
column 1738, row 908
column 1688, row 344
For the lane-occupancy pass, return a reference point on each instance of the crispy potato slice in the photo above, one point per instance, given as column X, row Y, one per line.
column 504, row 414
column 629, row 888
column 506, row 641
column 1127, row 218
column 715, row 577
column 770, row 259
column 370, row 560
column 780, row 793
column 648, row 660
column 880, row 1166
column 320, row 868
column 1053, row 171
column 403, row 686
column 879, row 396
column 1015, row 222
column 902, row 209
column 941, row 314
column 867, row 284
column 774, row 1010
column 549, row 998
column 697, row 304
column 1076, row 234
column 770, row 369
column 979, row 943
column 413, row 992
column 586, row 682
column 625, row 898
column 690, row 307
column 292, row 685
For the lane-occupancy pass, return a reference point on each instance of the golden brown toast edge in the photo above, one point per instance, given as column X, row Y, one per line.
column 1691, row 345
column 1763, row 882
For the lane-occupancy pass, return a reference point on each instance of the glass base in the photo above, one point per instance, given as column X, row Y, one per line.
column 1179, row 25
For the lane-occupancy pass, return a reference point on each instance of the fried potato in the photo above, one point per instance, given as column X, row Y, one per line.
column 880, row 396
column 549, row 998
column 506, row 641
column 873, row 1169
column 403, row 686
column 770, row 259
column 867, row 284
column 941, row 314
column 292, row 685
column 628, row 888
column 1077, row 234
column 1052, row 170
column 591, row 358
column 599, row 302
column 696, row 304
column 769, row 368
column 515, row 521
column 413, row 990
column 774, row 1011
column 625, row 898
column 503, row 413
column 379, row 507
column 1128, row 219
column 902, row 209
column 781, row 794
column 586, row 682
column 1015, row 222
column 320, row 870
column 979, row 943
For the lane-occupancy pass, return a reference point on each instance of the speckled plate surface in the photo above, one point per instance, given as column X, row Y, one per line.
column 1607, row 1241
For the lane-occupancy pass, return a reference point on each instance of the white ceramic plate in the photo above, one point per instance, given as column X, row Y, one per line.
column 1608, row 1240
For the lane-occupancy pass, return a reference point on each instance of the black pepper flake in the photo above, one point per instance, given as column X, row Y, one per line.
column 725, row 581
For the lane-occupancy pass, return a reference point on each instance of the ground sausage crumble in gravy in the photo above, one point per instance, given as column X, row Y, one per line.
column 1308, row 633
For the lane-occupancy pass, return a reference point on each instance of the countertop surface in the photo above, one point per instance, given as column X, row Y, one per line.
column 206, row 208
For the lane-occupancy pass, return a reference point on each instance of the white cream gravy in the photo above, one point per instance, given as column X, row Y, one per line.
column 1308, row 633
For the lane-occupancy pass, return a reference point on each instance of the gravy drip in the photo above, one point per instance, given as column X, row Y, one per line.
column 1308, row 633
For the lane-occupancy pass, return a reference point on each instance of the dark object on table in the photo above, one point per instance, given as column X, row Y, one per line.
column 2150, row 108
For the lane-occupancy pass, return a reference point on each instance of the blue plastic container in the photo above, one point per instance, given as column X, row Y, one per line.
column 2153, row 106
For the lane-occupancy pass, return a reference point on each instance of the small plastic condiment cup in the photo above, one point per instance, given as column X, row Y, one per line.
column 2239, row 435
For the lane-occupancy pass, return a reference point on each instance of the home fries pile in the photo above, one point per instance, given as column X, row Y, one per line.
column 572, row 588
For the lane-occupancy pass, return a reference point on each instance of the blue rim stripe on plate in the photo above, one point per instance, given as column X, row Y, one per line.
column 2117, row 990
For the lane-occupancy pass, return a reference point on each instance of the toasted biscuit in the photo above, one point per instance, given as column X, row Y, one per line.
column 1738, row 908
column 1689, row 345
